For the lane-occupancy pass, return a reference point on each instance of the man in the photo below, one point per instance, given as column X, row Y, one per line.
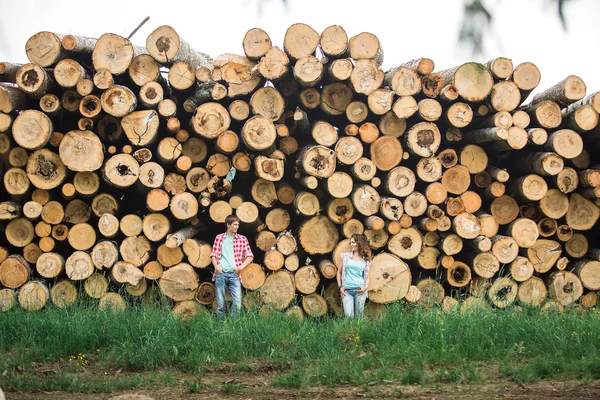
column 231, row 253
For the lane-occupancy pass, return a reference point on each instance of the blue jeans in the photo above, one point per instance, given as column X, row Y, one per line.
column 231, row 281
column 354, row 303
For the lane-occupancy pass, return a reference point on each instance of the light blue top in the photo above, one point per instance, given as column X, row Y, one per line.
column 227, row 262
column 355, row 274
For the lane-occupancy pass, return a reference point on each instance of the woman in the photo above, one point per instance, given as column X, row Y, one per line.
column 353, row 276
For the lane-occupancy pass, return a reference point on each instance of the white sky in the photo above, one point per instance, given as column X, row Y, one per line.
column 523, row 30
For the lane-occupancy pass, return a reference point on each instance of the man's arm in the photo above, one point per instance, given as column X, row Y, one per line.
column 216, row 265
column 248, row 257
column 213, row 255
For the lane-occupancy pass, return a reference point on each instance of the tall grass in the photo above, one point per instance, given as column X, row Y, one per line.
column 325, row 351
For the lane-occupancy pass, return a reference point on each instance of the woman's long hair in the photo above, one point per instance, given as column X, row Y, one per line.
column 363, row 246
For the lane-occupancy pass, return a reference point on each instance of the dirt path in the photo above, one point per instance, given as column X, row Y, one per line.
column 260, row 389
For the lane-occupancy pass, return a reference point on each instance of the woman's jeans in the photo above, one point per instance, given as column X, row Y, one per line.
column 222, row 282
column 354, row 303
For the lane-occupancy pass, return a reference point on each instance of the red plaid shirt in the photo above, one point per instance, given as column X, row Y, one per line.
column 241, row 248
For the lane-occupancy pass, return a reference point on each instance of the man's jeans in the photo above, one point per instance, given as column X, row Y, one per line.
column 222, row 282
column 354, row 303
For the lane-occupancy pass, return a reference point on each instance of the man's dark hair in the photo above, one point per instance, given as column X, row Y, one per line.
column 231, row 219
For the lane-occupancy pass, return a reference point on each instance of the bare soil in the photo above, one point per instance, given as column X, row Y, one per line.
column 258, row 385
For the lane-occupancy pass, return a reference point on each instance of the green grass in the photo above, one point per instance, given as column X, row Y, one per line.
column 411, row 346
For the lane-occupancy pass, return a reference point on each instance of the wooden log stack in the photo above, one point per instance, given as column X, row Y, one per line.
column 120, row 164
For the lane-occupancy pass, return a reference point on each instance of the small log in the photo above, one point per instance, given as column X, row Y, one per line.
column 14, row 272
column 545, row 114
column 566, row 143
column 184, row 206
column 153, row 270
column 462, row 78
column 104, row 255
column 357, row 112
column 168, row 47
column 415, row 204
column 318, row 235
column 403, row 81
column 96, row 285
column 141, row 127
column 252, row 277
column 365, row 45
column 113, row 53
column 32, row 130
column 308, row 71
column 547, row 227
column 386, row 152
column 79, row 266
column 197, row 252
column 335, row 98
column 121, row 170
column 400, row 181
column 108, row 225
column 389, row 278
column 118, row 101
column 429, row 258
column 432, row 293
column 33, row 296
column 390, row 124
column 407, row 244
column 567, row 91
column 366, row 76
column 432, row 84
column 168, row 257
column 501, row 67
column 505, row 248
column 503, row 292
column 405, row 107
column 524, row 231
column 544, row 254
column 581, row 118
column 458, row 275
column 456, row 180
column 274, row 64
column 81, row 151
column 306, row 279
column 564, row 287
column 588, row 273
column 340, row 211
column 466, row 225
column 278, row 290
column 300, row 40
column 10, row 210
column 485, row 264
column 33, row 80
column 577, row 246
column 11, row 99
column 179, row 282
column 19, row 232
column 123, row 272
column 334, row 41
column 380, row 101
column 314, row 305
column 582, row 213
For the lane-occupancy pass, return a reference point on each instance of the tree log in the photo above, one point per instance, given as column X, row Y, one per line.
column 179, row 282
column 389, row 278
column 278, row 290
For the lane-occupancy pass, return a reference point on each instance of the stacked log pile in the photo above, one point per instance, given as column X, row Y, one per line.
column 120, row 164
